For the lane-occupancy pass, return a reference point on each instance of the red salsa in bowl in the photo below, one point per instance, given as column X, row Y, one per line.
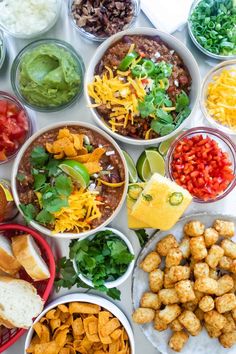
column 15, row 126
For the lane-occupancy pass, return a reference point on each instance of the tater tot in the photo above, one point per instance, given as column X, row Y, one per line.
column 178, row 340
column 225, row 284
column 198, row 248
column 213, row 274
column 206, row 303
column 168, row 296
column 143, row 315
column 168, row 284
column 212, row 331
column 191, row 305
column 170, row 313
column 150, row 262
column 214, row 256
column 228, row 339
column 229, row 248
column 173, row 257
column 233, row 266
column 156, row 278
column 190, row 322
column 150, row 300
column 165, row 244
column 201, row 270
column 194, row 228
column 233, row 313
column 199, row 295
column 225, row 303
column 185, row 291
column 176, row 325
column 177, row 273
column 215, row 319
column 224, row 228
column 159, row 324
column 210, row 236
column 225, row 263
column 185, row 247
column 199, row 313
column 230, row 325
column 206, row 285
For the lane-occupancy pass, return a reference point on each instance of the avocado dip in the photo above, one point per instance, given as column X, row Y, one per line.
column 49, row 76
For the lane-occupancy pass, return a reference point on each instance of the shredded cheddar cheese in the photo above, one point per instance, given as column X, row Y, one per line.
column 221, row 98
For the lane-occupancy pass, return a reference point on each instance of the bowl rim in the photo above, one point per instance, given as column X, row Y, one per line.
column 93, row 299
column 122, row 278
column 207, row 77
column 36, row 34
column 211, row 132
column 68, row 235
column 166, row 37
column 4, row 48
column 32, row 45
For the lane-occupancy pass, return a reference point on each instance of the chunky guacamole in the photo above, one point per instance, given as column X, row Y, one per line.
column 49, row 76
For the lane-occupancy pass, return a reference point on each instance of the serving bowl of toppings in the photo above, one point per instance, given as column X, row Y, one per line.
column 27, row 18
column 98, row 20
column 2, row 49
column 211, row 26
column 16, row 126
column 47, row 75
column 69, row 180
column 83, row 321
column 203, row 160
column 142, row 86
column 218, row 100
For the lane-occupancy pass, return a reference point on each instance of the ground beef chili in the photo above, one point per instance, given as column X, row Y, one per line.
column 110, row 196
column 151, row 48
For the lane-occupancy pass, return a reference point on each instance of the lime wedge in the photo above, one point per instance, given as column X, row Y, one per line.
column 149, row 162
column 133, row 176
column 77, row 171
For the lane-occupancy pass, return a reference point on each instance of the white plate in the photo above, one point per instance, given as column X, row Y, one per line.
column 201, row 344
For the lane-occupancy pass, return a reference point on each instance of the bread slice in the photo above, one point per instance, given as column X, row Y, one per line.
column 19, row 303
column 8, row 263
column 29, row 256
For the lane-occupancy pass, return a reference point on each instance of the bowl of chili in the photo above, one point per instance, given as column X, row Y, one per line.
column 203, row 160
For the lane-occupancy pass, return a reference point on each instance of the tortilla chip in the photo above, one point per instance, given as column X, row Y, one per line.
column 84, row 307
column 96, row 154
column 78, row 327
column 52, row 315
column 34, row 341
column 91, row 328
column 93, row 167
column 59, row 156
column 78, row 140
column 116, row 334
column 82, row 158
column 64, row 133
column 55, row 323
column 64, row 351
column 110, row 326
column 47, row 348
column 61, row 337
column 114, row 347
column 63, row 308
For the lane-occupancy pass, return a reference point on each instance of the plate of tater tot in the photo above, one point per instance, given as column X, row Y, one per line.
column 184, row 286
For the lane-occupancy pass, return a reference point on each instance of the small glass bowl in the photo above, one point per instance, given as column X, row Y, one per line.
column 3, row 48
column 197, row 44
column 12, row 99
column 35, row 34
column 224, row 142
column 229, row 64
column 92, row 37
column 15, row 73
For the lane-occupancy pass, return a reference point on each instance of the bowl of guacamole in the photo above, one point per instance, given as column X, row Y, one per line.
column 47, row 75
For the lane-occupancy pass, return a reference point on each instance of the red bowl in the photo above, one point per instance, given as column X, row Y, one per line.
column 44, row 287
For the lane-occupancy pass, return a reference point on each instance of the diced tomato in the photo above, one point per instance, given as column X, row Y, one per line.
column 3, row 107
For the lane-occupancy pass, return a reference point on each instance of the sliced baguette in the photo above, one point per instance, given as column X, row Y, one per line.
column 19, row 303
column 29, row 256
column 8, row 262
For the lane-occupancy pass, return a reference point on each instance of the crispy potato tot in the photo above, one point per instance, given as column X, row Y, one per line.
column 190, row 306
column 213, row 274
column 173, row 257
column 199, row 313
column 210, row 236
column 185, row 247
column 206, row 285
column 168, row 284
column 215, row 319
column 233, row 266
column 150, row 262
column 225, row 284
column 143, row 315
column 170, row 313
column 198, row 248
column 190, row 322
column 225, row 263
column 224, row 228
column 201, row 270
column 199, row 295
column 156, row 278
column 194, row 228
column 168, row 296
column 233, row 313
column 230, row 325
column 214, row 256
column 206, row 303
column 212, row 331
column 178, row 273
column 166, row 244
column 178, row 340
column 185, row 291
column 159, row 324
column 150, row 300
column 225, row 303
column 228, row 339
column 229, row 248
column 176, row 326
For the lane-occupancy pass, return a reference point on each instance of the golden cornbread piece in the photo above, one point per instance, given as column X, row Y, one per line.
column 224, row 228
column 211, row 236
column 150, row 262
column 190, row 322
column 185, row 291
column 170, row 313
column 176, row 326
column 229, row 248
column 228, row 339
column 173, row 257
column 215, row 319
column 225, row 284
column 178, row 273
column 194, row 228
column 156, row 278
column 206, row 303
column 185, row 247
column 198, row 248
column 150, row 300
column 168, row 296
column 225, row 303
column 201, row 269
column 166, row 244
column 178, row 340
column 143, row 315
column 159, row 324
column 206, row 285
column 214, row 256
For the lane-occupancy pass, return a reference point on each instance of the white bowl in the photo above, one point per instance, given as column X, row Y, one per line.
column 121, row 279
column 173, row 43
column 43, row 229
column 108, row 305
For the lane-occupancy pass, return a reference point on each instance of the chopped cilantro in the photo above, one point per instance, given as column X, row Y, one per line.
column 29, row 212
column 39, row 180
column 20, row 177
column 39, row 156
column 63, row 185
column 44, row 217
column 182, row 101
